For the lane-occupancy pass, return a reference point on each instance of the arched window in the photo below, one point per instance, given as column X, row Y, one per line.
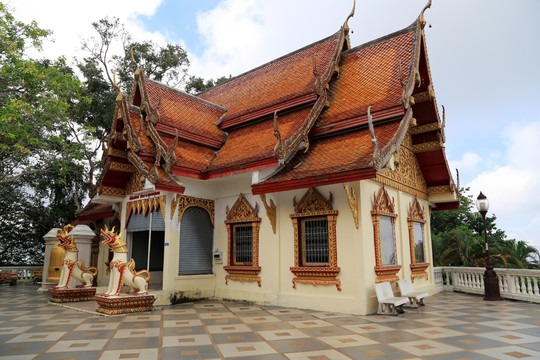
column 384, row 229
column 416, row 223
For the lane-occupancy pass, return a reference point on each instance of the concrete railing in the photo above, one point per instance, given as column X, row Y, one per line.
column 517, row 284
column 25, row 274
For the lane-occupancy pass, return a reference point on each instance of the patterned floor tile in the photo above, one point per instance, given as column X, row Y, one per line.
column 133, row 333
column 511, row 337
column 29, row 337
column 511, row 353
column 186, row 340
column 195, row 352
column 425, row 347
column 236, row 338
column 342, row 341
column 142, row 354
column 78, row 345
column 377, row 352
column 283, row 334
column 317, row 355
column 435, row 332
column 245, row 350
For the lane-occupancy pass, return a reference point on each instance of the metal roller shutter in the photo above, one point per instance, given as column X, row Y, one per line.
column 196, row 242
column 140, row 222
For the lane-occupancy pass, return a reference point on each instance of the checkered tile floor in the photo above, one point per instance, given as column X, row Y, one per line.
column 450, row 326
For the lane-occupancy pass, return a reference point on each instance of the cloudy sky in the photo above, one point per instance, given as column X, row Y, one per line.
column 483, row 56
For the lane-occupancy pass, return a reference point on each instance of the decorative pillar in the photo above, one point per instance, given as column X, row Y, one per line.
column 83, row 236
column 52, row 263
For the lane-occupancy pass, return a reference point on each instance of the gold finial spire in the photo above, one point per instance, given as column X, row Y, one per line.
column 422, row 19
column 351, row 15
column 133, row 60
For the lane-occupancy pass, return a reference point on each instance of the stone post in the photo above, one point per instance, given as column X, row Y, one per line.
column 83, row 236
column 50, row 242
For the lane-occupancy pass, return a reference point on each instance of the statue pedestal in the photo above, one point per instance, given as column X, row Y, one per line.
column 72, row 294
column 124, row 304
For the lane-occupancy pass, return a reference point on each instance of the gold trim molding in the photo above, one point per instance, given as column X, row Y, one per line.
column 271, row 212
column 353, row 202
column 184, row 202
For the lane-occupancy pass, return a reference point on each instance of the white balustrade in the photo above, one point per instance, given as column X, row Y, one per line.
column 517, row 284
column 25, row 274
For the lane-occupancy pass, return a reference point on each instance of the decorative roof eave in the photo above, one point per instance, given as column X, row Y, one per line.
column 382, row 157
column 285, row 149
column 414, row 74
column 312, row 181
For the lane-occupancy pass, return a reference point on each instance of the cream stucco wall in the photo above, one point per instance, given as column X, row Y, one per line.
column 355, row 249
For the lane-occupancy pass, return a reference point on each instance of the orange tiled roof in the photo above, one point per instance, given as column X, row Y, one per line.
column 184, row 111
column 256, row 142
column 331, row 155
column 280, row 80
column 370, row 75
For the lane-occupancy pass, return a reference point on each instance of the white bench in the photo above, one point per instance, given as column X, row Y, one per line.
column 388, row 303
column 416, row 298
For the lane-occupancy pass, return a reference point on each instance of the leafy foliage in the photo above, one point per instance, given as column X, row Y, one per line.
column 458, row 240
column 196, row 85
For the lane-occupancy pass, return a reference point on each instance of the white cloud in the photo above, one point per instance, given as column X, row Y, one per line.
column 512, row 188
column 71, row 20
column 468, row 162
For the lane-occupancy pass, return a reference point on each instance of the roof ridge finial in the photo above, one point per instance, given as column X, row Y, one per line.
column 133, row 59
column 351, row 15
column 115, row 84
column 422, row 19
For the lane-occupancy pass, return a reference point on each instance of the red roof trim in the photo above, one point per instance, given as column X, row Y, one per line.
column 357, row 121
column 188, row 172
column 170, row 188
column 256, row 165
column 285, row 105
column 319, row 180
column 189, row 136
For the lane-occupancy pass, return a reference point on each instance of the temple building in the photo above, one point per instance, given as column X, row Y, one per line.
column 301, row 183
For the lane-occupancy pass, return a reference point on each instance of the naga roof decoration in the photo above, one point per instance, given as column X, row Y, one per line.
column 324, row 114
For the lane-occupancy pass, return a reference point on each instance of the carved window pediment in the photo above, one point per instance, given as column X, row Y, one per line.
column 313, row 202
column 383, row 204
column 315, row 245
column 416, row 212
column 243, row 227
column 242, row 211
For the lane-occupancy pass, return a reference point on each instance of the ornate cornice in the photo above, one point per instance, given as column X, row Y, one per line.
column 428, row 146
column 142, row 206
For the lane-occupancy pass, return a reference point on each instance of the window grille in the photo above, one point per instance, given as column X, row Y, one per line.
column 418, row 231
column 315, row 250
column 243, row 244
column 388, row 249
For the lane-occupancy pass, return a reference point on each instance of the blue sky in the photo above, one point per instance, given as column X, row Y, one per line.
column 483, row 57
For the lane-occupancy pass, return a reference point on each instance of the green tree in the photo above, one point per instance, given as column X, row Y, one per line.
column 196, row 85
column 458, row 239
column 40, row 163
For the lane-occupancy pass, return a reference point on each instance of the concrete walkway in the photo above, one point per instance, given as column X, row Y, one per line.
column 450, row 326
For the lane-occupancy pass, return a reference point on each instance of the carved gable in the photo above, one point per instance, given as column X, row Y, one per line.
column 407, row 175
column 382, row 204
column 312, row 202
column 242, row 211
column 415, row 211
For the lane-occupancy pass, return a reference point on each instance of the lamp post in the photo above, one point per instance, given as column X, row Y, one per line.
column 491, row 283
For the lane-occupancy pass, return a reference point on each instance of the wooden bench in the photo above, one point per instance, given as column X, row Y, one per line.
column 388, row 303
column 38, row 276
column 9, row 277
column 416, row 298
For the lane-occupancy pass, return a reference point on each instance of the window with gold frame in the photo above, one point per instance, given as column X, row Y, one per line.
column 243, row 226
column 384, row 228
column 315, row 247
column 416, row 223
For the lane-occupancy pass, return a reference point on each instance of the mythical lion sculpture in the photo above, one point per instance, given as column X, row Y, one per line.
column 123, row 271
column 71, row 266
